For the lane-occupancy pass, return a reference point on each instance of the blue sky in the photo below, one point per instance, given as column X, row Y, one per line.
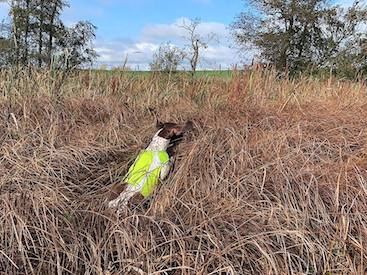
column 129, row 17
column 135, row 28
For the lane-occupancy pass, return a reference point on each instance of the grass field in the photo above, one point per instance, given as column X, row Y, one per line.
column 199, row 74
column 272, row 180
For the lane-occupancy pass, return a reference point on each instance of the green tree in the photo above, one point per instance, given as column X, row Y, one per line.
column 38, row 35
column 21, row 12
column 167, row 58
column 54, row 26
column 342, row 48
column 6, row 44
column 299, row 34
column 76, row 46
column 47, row 28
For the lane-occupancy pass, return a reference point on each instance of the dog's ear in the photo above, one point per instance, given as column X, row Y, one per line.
column 188, row 126
column 180, row 130
column 159, row 124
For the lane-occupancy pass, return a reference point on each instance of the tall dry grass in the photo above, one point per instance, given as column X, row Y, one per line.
column 271, row 181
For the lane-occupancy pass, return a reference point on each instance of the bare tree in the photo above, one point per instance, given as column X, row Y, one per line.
column 197, row 42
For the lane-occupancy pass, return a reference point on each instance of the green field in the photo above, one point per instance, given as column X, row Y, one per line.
column 198, row 74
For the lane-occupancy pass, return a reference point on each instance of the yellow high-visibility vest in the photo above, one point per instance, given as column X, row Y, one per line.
column 144, row 173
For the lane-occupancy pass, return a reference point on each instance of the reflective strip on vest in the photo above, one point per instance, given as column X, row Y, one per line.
column 144, row 173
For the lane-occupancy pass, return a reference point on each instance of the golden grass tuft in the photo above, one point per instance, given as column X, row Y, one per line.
column 273, row 180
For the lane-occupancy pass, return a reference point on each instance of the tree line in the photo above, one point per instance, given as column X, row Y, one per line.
column 294, row 36
column 34, row 35
column 305, row 35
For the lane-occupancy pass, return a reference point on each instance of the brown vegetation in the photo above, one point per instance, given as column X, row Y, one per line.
column 271, row 181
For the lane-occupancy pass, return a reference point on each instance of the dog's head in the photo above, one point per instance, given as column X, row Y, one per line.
column 171, row 130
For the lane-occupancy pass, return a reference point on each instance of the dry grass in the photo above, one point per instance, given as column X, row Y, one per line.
column 272, row 181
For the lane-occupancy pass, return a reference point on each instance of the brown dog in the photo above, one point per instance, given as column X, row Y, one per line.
column 152, row 164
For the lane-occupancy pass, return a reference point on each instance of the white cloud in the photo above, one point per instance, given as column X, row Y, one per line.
column 140, row 52
column 145, row 46
column 175, row 31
